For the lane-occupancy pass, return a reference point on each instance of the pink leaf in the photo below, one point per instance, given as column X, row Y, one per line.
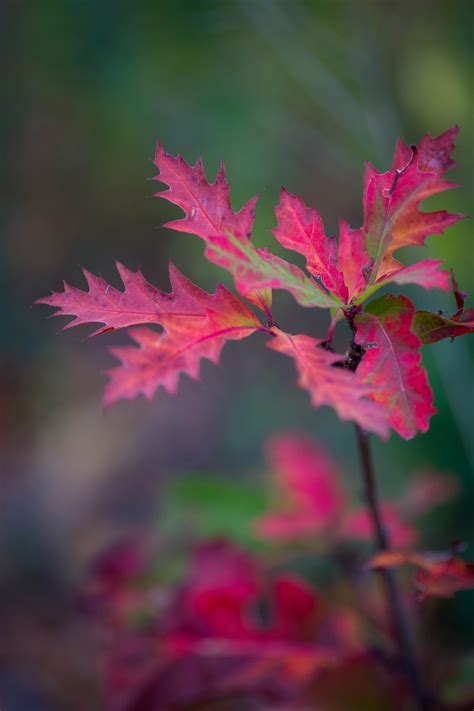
column 393, row 219
column 343, row 390
column 309, row 484
column 425, row 273
column 300, row 228
column 392, row 364
column 392, row 200
column 161, row 357
column 197, row 325
column 227, row 234
column 139, row 302
column 432, row 327
column 353, row 258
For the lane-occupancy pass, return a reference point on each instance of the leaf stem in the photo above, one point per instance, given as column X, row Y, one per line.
column 399, row 619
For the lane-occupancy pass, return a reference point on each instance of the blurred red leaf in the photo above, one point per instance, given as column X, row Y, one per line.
column 438, row 574
column 309, row 498
column 401, row 533
column 309, row 486
column 214, row 638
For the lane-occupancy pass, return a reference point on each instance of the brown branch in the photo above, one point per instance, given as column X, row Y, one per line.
column 399, row 620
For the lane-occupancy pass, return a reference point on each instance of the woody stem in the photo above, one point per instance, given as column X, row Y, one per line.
column 400, row 623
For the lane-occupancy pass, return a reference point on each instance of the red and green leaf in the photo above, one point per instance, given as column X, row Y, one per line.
column 392, row 364
column 301, row 229
column 390, row 386
column 393, row 219
column 139, row 302
column 227, row 234
column 343, row 390
column 160, row 358
column 196, row 325
column 392, row 200
column 432, row 327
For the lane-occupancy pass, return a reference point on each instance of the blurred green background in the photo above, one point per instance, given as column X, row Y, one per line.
column 293, row 92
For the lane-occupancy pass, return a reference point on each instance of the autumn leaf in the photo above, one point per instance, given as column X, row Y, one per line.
column 160, row 358
column 309, row 499
column 227, row 234
column 392, row 364
column 425, row 273
column 433, row 327
column 393, row 219
column 353, row 259
column 438, row 574
column 392, row 200
column 310, row 488
column 196, row 325
column 301, row 229
column 140, row 302
column 343, row 390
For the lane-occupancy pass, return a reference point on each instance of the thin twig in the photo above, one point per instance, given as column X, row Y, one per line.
column 400, row 623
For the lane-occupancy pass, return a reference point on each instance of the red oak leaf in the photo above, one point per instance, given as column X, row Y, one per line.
column 139, row 302
column 300, row 228
column 227, row 234
column 393, row 219
column 392, row 200
column 432, row 327
column 392, row 215
column 392, row 364
column 161, row 357
column 341, row 389
column 425, row 273
column 309, row 482
column 353, row 258
column 438, row 574
column 196, row 325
